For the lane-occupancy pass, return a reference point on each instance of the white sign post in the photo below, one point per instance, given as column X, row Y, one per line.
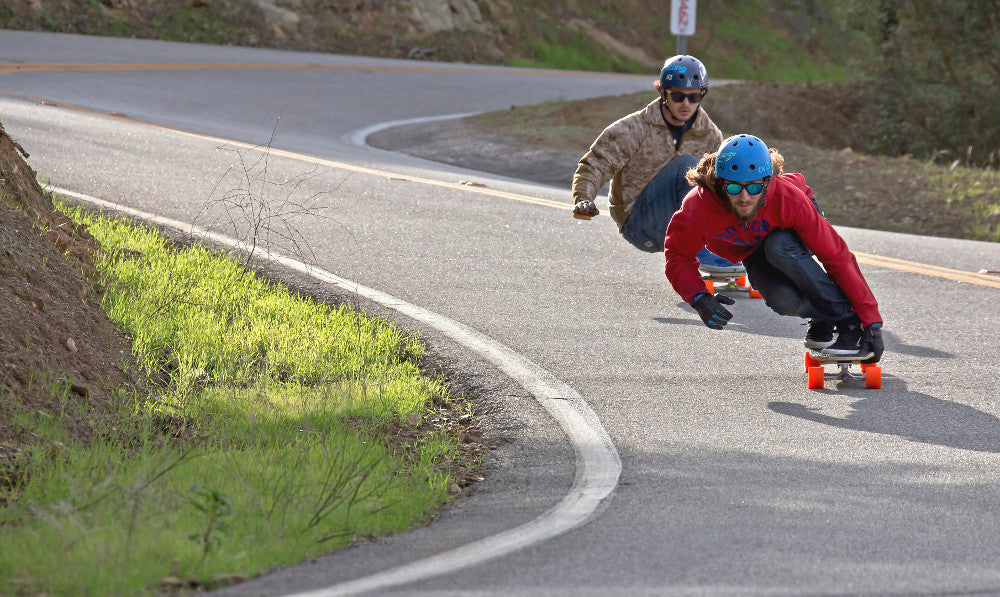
column 682, row 14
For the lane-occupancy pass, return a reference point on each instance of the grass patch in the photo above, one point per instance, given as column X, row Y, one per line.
column 974, row 192
column 260, row 442
column 574, row 51
column 763, row 40
column 214, row 23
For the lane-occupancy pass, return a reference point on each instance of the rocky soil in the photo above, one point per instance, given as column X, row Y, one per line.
column 59, row 353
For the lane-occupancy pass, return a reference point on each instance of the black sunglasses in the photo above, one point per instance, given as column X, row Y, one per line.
column 679, row 96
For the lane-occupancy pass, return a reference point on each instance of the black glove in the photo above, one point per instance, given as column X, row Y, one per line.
column 711, row 310
column 872, row 338
column 586, row 207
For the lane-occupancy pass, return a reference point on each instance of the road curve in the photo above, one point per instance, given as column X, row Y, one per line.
column 735, row 479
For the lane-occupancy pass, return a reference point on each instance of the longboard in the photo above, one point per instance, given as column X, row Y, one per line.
column 817, row 374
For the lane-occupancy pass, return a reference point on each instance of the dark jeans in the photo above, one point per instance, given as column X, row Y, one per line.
column 792, row 282
column 647, row 223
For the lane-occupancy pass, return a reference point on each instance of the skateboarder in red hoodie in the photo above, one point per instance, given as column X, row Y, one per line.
column 744, row 208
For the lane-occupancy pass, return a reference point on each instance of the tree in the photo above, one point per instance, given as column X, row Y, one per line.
column 934, row 77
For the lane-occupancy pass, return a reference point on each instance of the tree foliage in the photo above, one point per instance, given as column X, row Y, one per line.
column 934, row 78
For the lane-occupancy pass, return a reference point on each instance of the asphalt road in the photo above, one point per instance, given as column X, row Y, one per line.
column 734, row 478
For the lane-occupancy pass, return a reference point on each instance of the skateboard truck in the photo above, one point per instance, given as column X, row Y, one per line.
column 729, row 283
column 870, row 373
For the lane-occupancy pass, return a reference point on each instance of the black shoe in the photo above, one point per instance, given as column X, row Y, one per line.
column 850, row 342
column 820, row 335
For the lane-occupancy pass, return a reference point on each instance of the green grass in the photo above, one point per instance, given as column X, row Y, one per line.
column 258, row 446
column 972, row 191
column 215, row 23
column 756, row 40
column 574, row 51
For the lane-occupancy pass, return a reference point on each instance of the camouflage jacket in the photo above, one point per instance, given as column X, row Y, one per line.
column 632, row 150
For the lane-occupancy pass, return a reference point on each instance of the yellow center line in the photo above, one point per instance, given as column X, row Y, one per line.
column 866, row 258
column 928, row 270
column 21, row 67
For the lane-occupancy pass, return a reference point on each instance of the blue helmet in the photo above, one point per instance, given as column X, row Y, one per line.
column 742, row 158
column 683, row 71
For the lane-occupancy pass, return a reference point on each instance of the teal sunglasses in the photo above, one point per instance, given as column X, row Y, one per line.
column 735, row 188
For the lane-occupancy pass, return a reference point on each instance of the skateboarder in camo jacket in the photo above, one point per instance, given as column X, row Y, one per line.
column 745, row 208
column 646, row 155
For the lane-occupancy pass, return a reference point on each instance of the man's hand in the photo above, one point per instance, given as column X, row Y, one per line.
column 873, row 339
column 585, row 208
column 711, row 310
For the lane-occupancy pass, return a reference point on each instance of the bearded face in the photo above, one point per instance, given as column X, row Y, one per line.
column 744, row 200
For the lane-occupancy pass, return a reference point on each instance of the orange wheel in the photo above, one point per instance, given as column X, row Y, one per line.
column 873, row 377
column 755, row 294
column 811, row 362
column 710, row 285
column 741, row 281
column 815, row 378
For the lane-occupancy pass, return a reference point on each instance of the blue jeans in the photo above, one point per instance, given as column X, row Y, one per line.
column 647, row 223
column 792, row 283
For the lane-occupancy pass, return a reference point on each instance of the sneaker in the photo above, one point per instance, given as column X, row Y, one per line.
column 820, row 335
column 849, row 341
column 713, row 264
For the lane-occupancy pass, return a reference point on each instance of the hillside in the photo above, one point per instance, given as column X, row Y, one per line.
column 761, row 39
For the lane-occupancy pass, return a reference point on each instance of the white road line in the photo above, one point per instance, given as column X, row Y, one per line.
column 360, row 136
column 597, row 461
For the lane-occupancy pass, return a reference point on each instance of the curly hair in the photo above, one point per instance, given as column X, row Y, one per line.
column 703, row 175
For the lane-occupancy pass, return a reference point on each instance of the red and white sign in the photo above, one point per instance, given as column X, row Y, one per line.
column 682, row 16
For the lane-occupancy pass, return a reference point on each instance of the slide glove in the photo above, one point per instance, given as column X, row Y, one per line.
column 872, row 338
column 585, row 207
column 711, row 310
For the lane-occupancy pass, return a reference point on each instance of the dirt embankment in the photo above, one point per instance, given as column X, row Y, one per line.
column 58, row 350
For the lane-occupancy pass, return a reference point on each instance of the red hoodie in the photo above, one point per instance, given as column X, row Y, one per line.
column 703, row 220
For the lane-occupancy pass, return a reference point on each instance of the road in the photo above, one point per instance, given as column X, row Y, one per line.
column 734, row 478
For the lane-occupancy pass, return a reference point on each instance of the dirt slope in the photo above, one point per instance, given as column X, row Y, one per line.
column 58, row 350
